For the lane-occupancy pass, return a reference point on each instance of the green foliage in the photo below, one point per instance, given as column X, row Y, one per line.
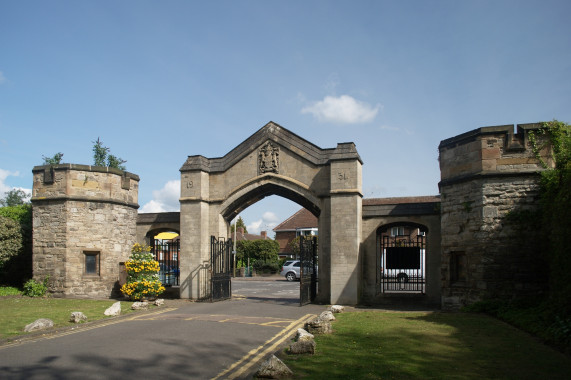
column 17, row 267
column 270, row 267
column 9, row 291
column 555, row 206
column 10, row 239
column 262, row 251
column 240, row 223
column 294, row 245
column 539, row 317
column 54, row 160
column 101, row 157
column 34, row 288
column 14, row 197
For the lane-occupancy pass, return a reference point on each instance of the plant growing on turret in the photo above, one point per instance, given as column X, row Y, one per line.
column 142, row 274
column 101, row 157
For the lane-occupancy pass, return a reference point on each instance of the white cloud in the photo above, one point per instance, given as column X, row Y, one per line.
column 267, row 223
column 165, row 199
column 343, row 109
column 270, row 217
column 3, row 175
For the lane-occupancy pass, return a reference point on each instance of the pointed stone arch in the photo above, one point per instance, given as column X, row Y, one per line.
column 275, row 161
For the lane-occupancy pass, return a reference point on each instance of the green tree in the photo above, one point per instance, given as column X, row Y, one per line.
column 240, row 223
column 10, row 239
column 14, row 197
column 556, row 208
column 101, row 156
column 16, row 264
column 262, row 254
column 54, row 160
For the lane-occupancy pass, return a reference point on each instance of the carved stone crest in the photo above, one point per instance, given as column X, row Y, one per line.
column 268, row 158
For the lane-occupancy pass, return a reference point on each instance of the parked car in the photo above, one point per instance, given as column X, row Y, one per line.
column 291, row 270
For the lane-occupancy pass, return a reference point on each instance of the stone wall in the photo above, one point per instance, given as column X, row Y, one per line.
column 488, row 175
column 84, row 221
column 381, row 212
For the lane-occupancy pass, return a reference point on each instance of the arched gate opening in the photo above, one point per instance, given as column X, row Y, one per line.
column 274, row 161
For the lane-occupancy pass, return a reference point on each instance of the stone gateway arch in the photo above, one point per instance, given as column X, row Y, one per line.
column 275, row 161
column 439, row 250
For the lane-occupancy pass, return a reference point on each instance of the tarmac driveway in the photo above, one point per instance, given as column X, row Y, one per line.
column 183, row 340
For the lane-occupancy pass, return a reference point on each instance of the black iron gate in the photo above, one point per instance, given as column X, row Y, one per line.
column 402, row 263
column 167, row 254
column 308, row 269
column 220, row 269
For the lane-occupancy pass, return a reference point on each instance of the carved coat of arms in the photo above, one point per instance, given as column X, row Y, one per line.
column 268, row 158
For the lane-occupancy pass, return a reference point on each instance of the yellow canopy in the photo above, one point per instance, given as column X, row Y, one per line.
column 166, row 235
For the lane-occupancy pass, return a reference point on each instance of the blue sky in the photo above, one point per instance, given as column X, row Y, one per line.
column 158, row 81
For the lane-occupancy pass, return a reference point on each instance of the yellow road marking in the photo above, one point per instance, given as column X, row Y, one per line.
column 252, row 357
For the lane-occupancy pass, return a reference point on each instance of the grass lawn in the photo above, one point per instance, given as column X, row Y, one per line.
column 419, row 345
column 16, row 312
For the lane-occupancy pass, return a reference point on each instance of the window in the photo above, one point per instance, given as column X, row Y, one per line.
column 91, row 262
column 457, row 267
column 397, row 231
column 306, row 232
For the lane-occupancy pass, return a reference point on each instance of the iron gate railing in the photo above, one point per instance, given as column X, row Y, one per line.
column 402, row 263
column 220, row 269
column 167, row 254
column 308, row 267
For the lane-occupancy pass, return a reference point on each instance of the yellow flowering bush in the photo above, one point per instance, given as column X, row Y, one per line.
column 142, row 274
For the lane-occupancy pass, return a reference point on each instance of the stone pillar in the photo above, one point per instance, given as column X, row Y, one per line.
column 84, row 220
column 195, row 235
column 345, row 230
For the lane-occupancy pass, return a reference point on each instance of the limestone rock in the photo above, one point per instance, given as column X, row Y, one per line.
column 140, row 305
column 318, row 326
column 306, row 346
column 115, row 309
column 303, row 335
column 337, row 309
column 77, row 316
column 159, row 302
column 273, row 368
column 327, row 316
column 39, row 324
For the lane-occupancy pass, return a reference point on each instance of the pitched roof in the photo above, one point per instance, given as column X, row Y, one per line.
column 301, row 219
column 240, row 235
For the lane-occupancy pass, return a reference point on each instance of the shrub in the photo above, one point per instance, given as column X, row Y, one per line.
column 270, row 267
column 10, row 239
column 34, row 288
column 15, row 268
column 142, row 274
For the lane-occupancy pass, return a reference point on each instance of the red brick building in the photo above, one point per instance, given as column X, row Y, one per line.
column 302, row 222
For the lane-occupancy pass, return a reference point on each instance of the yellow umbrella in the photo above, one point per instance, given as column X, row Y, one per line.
column 166, row 235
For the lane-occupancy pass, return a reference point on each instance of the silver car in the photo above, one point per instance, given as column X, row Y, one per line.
column 291, row 270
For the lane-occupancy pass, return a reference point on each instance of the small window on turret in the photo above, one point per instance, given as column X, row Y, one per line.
column 457, row 268
column 91, row 262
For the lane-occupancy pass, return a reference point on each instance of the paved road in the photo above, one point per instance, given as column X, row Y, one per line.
column 184, row 340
